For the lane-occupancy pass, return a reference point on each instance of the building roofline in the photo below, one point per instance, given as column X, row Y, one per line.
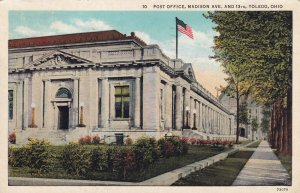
column 65, row 39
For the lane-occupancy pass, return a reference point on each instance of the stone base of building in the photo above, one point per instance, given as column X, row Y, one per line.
column 107, row 136
column 110, row 136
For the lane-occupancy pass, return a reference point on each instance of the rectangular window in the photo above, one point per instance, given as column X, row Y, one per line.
column 122, row 100
column 10, row 104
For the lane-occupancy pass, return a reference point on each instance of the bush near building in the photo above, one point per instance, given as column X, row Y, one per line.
column 80, row 159
column 35, row 155
column 12, row 138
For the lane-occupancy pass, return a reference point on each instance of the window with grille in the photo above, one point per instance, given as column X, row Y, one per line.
column 63, row 93
column 122, row 99
column 10, row 104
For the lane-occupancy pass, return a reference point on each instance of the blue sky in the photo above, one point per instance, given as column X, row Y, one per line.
column 154, row 27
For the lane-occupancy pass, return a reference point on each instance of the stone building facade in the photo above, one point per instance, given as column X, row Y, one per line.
column 105, row 83
column 254, row 111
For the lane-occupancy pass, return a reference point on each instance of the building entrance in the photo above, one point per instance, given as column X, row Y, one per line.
column 63, row 117
column 242, row 132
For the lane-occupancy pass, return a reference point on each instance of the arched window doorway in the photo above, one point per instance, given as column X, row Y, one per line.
column 63, row 93
column 63, row 97
column 242, row 132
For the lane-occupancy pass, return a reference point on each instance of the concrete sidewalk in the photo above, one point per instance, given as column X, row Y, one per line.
column 263, row 169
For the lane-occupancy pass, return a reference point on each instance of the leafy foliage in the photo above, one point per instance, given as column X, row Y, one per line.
column 38, row 156
column 99, row 159
column 123, row 161
column 95, row 139
column 128, row 141
column 258, row 64
column 17, row 157
column 265, row 121
column 261, row 63
column 254, row 124
column 244, row 114
column 146, row 151
column 75, row 159
column 12, row 138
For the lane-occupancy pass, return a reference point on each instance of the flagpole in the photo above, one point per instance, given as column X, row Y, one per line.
column 176, row 38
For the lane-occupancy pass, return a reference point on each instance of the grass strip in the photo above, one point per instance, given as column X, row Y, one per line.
column 286, row 161
column 254, row 145
column 222, row 173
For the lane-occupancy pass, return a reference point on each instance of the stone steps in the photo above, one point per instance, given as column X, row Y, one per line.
column 55, row 137
column 201, row 135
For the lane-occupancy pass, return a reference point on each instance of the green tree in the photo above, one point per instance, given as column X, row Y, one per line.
column 265, row 120
column 244, row 118
column 260, row 64
column 254, row 126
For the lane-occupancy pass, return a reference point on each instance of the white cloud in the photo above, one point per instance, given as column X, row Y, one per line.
column 92, row 25
column 61, row 27
column 26, row 31
column 145, row 37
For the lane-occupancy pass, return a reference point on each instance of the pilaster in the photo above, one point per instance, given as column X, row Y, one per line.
column 75, row 103
column 137, row 105
column 26, row 108
column 151, row 93
column 178, row 108
column 19, row 106
column 105, row 102
column 168, row 106
column 47, row 104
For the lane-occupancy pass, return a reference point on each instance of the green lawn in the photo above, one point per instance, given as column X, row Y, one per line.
column 195, row 153
column 286, row 161
column 254, row 145
column 245, row 142
column 222, row 173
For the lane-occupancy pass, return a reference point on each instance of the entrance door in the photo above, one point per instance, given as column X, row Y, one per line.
column 63, row 117
column 243, row 132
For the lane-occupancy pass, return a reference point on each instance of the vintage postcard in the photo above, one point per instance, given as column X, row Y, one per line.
column 147, row 96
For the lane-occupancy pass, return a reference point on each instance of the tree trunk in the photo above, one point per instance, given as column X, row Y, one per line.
column 285, row 132
column 237, row 114
column 280, row 126
column 272, row 128
column 289, row 120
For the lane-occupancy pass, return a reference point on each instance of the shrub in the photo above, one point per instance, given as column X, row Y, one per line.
column 86, row 140
column 193, row 141
column 12, row 138
column 172, row 146
column 146, row 151
column 17, row 157
column 75, row 159
column 161, row 145
column 99, row 159
column 38, row 155
column 168, row 149
column 128, row 141
column 95, row 140
column 178, row 146
column 185, row 146
column 123, row 161
column 184, row 140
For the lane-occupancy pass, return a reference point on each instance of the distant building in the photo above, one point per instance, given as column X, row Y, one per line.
column 254, row 112
column 108, row 84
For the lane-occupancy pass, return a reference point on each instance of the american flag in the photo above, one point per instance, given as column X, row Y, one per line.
column 184, row 28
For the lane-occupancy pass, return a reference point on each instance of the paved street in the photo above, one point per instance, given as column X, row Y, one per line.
column 263, row 169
